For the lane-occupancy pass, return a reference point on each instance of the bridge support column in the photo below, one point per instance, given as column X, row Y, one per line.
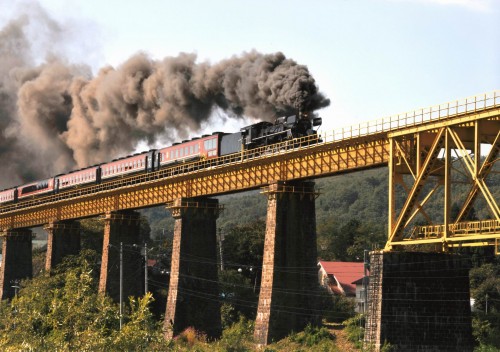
column 16, row 260
column 193, row 290
column 121, row 227
column 63, row 239
column 286, row 300
column 419, row 302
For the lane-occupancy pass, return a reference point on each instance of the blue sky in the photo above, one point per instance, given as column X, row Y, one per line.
column 372, row 58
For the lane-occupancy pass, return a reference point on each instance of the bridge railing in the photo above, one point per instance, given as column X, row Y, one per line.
column 459, row 229
column 416, row 117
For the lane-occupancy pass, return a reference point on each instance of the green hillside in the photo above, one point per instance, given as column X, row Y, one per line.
column 351, row 210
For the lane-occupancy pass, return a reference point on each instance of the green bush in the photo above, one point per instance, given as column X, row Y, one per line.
column 64, row 312
column 312, row 335
column 335, row 308
column 486, row 330
column 238, row 337
column 355, row 329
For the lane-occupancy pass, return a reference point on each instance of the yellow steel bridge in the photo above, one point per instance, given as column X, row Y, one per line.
column 421, row 149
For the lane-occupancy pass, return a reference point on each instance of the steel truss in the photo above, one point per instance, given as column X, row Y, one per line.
column 423, row 161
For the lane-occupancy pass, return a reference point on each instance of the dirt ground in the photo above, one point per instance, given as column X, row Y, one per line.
column 342, row 343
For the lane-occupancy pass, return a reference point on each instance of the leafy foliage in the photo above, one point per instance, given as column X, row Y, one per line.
column 237, row 291
column 65, row 312
column 355, row 329
column 312, row 335
column 311, row 339
column 238, row 337
column 244, row 246
column 336, row 308
column 485, row 285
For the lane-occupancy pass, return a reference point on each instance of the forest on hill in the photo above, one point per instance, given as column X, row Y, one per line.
column 351, row 211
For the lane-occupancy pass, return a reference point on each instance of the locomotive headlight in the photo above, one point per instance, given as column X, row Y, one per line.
column 317, row 121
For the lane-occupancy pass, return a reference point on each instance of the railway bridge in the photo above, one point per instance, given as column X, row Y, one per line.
column 421, row 149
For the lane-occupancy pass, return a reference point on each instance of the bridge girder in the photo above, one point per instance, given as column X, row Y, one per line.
column 167, row 185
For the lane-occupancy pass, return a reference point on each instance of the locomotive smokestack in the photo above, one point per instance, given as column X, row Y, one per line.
column 57, row 116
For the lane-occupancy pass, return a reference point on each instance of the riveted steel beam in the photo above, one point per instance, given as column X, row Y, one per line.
column 199, row 179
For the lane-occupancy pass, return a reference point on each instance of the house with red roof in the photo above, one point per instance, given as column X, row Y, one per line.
column 338, row 277
column 343, row 278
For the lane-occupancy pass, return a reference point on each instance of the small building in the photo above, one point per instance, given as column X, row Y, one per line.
column 361, row 299
column 338, row 277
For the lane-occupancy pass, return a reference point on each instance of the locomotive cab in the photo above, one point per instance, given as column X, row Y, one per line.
column 305, row 124
column 317, row 121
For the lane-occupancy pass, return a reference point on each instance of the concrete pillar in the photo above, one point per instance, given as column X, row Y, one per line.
column 289, row 271
column 16, row 260
column 419, row 302
column 193, row 293
column 122, row 227
column 63, row 239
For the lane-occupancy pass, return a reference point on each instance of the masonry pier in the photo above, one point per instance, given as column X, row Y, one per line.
column 122, row 227
column 63, row 238
column 16, row 260
column 289, row 272
column 419, row 302
column 193, row 294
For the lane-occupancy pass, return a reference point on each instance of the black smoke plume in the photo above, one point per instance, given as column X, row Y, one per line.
column 55, row 116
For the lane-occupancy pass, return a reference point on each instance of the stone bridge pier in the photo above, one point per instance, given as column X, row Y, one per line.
column 17, row 256
column 121, row 227
column 193, row 293
column 63, row 238
column 419, row 302
column 289, row 270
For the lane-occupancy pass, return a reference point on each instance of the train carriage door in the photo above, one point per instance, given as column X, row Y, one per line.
column 148, row 163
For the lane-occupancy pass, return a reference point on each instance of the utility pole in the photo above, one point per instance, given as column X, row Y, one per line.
column 365, row 283
column 145, row 267
column 121, row 284
column 16, row 286
column 486, row 304
column 221, row 250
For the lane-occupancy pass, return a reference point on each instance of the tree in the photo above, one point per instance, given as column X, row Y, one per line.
column 243, row 248
column 343, row 240
column 485, row 281
column 65, row 312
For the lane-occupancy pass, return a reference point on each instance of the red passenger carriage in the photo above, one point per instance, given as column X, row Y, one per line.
column 80, row 177
column 36, row 188
column 198, row 148
column 8, row 195
column 131, row 164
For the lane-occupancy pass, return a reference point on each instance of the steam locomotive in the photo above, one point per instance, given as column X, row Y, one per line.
column 206, row 147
